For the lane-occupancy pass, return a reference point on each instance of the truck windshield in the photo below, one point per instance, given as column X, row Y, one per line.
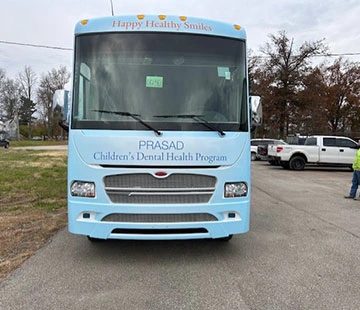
column 150, row 75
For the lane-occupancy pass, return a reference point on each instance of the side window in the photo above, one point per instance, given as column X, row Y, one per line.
column 310, row 141
column 346, row 143
column 277, row 142
column 257, row 142
column 329, row 142
column 83, row 91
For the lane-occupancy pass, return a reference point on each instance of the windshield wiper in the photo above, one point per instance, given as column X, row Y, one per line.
column 197, row 117
column 134, row 116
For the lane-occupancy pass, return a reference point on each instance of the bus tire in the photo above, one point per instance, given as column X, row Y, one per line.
column 226, row 239
column 92, row 239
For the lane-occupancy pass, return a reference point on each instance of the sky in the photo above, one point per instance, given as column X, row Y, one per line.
column 51, row 23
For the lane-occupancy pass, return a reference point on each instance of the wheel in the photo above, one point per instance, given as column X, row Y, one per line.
column 92, row 239
column 297, row 163
column 284, row 164
column 275, row 162
column 226, row 239
column 253, row 156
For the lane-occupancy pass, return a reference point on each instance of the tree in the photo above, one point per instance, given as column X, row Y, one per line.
column 27, row 81
column 10, row 99
column 2, row 81
column 49, row 83
column 2, row 77
column 10, row 102
column 281, row 78
column 342, row 80
column 255, row 72
column 26, row 110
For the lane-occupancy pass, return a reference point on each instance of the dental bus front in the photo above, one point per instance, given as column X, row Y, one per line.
column 159, row 138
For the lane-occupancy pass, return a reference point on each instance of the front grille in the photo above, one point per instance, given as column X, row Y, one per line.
column 144, row 188
column 179, row 231
column 159, row 218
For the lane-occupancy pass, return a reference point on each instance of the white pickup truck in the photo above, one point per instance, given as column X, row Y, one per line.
column 317, row 150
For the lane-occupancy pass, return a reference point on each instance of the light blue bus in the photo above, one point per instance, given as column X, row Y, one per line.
column 159, row 129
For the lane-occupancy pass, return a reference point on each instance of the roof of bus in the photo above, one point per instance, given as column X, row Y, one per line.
column 159, row 23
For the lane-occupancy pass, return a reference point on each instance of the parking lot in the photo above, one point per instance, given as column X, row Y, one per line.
column 302, row 252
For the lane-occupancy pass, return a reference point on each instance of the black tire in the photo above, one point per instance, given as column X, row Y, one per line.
column 285, row 164
column 253, row 156
column 297, row 163
column 225, row 239
column 92, row 239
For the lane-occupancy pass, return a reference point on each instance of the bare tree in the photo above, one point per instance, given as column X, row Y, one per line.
column 2, row 77
column 11, row 102
column 27, row 82
column 49, row 83
column 10, row 99
column 2, row 81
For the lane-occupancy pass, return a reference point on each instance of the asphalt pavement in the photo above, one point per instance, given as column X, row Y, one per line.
column 302, row 252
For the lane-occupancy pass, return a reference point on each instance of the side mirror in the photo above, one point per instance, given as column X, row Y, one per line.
column 61, row 102
column 256, row 111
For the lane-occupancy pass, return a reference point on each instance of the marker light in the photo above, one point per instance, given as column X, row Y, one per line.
column 162, row 17
column 237, row 27
column 238, row 189
column 84, row 22
column 141, row 16
column 183, row 18
column 83, row 189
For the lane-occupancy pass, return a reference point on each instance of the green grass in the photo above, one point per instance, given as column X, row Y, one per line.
column 35, row 179
column 35, row 143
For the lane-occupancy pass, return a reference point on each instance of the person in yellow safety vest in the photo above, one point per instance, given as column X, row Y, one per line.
column 356, row 175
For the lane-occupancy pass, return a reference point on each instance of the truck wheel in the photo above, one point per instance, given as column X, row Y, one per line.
column 253, row 156
column 284, row 164
column 297, row 163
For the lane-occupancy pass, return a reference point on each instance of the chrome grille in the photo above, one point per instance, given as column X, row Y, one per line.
column 144, row 188
column 159, row 218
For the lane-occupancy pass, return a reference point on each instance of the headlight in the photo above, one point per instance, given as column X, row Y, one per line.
column 239, row 189
column 82, row 189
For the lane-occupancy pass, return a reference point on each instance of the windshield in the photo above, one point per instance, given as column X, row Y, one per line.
column 159, row 77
